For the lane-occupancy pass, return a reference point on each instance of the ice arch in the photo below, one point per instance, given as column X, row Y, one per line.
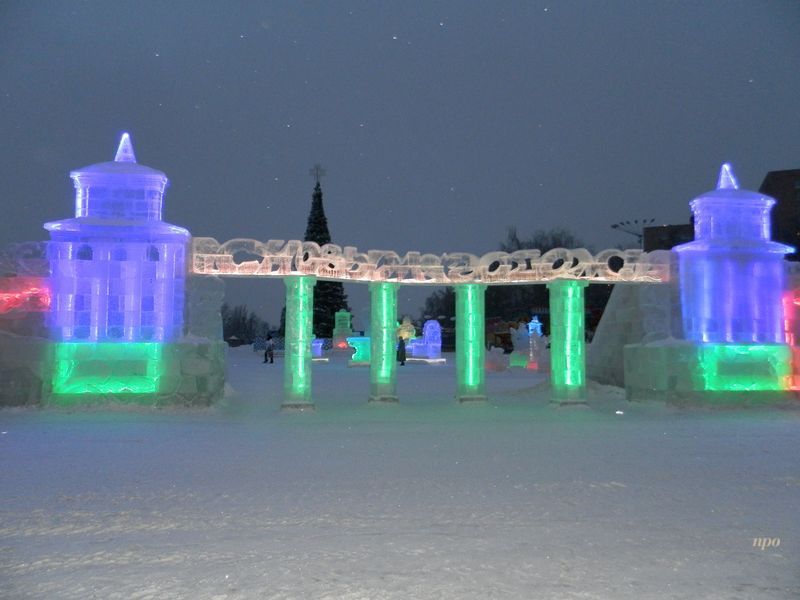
column 566, row 272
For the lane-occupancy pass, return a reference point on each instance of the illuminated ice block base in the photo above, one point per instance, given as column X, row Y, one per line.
column 684, row 372
column 146, row 373
column 107, row 368
column 745, row 367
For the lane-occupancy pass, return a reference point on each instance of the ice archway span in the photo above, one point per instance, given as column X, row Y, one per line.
column 279, row 258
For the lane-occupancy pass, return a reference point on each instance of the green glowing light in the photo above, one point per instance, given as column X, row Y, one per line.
column 383, row 335
column 106, row 368
column 299, row 333
column 567, row 342
column 742, row 367
column 470, row 333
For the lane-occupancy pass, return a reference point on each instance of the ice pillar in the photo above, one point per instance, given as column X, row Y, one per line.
column 297, row 345
column 567, row 341
column 383, row 336
column 470, row 348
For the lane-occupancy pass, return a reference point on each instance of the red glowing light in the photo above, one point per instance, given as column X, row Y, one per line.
column 24, row 294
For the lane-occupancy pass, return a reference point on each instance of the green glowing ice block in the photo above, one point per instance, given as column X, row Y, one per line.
column 567, row 341
column 470, row 348
column 361, row 354
column 297, row 344
column 119, row 368
column 746, row 367
column 383, row 335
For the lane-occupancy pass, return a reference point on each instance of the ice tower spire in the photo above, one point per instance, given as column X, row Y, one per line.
column 125, row 150
column 727, row 180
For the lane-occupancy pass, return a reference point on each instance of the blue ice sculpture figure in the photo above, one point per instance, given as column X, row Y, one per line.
column 316, row 347
column 732, row 274
column 117, row 269
column 535, row 327
column 430, row 346
column 432, row 338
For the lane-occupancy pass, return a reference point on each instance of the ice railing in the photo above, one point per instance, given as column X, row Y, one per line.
column 279, row 258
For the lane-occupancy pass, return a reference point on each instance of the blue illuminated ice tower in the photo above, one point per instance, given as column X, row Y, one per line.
column 732, row 275
column 117, row 275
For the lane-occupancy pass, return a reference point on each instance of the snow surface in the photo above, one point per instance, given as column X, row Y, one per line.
column 425, row 499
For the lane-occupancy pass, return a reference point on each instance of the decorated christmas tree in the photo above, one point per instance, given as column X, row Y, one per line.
column 329, row 296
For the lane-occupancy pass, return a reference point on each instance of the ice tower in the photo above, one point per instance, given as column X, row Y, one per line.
column 732, row 282
column 732, row 275
column 117, row 280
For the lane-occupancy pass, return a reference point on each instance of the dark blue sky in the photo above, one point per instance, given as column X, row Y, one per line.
column 439, row 123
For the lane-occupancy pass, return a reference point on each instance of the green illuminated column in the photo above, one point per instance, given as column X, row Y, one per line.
column 297, row 344
column 470, row 347
column 383, row 342
column 567, row 341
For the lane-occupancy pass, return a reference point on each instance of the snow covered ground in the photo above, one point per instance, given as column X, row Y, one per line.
column 426, row 499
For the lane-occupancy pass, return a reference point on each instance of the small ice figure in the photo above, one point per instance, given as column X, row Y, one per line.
column 535, row 326
column 407, row 330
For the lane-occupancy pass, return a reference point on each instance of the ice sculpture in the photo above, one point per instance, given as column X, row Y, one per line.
column 530, row 346
column 427, row 349
column 732, row 275
column 496, row 360
column 521, row 339
column 117, row 279
column 732, row 282
column 407, row 331
column 317, row 345
column 342, row 329
column 117, row 270
column 535, row 326
column 361, row 346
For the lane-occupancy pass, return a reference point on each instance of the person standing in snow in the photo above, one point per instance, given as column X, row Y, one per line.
column 401, row 351
column 269, row 350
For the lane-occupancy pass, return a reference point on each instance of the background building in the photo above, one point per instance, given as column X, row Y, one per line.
column 784, row 186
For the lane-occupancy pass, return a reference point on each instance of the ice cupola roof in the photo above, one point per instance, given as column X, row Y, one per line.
column 119, row 189
column 729, row 214
column 124, row 163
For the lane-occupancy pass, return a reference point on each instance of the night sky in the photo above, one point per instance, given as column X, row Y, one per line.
column 440, row 124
